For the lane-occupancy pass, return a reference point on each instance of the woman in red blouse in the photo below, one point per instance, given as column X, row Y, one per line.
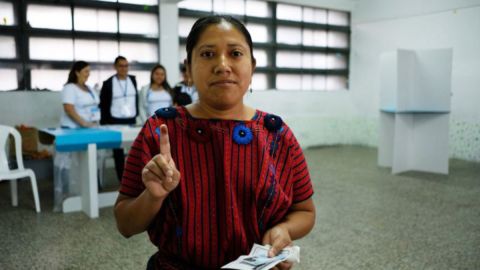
column 209, row 180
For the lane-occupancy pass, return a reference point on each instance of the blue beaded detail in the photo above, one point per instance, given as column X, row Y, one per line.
column 272, row 122
column 167, row 113
column 242, row 134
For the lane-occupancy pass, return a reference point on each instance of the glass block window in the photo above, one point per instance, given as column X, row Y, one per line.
column 258, row 32
column 139, row 51
column 96, row 50
column 289, row 59
column 314, row 15
column 229, row 6
column 7, row 47
column 51, row 79
column 60, row 32
column 139, row 23
column 6, row 13
column 296, row 47
column 289, row 35
column 41, row 49
column 9, row 79
column 313, row 48
column 259, row 81
column 50, row 17
column 257, row 9
column 140, row 2
column 289, row 12
column 184, row 26
column 95, row 20
column 261, row 56
column 200, row 5
column 338, row 18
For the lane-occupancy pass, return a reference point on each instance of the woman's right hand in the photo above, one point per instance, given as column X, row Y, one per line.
column 160, row 176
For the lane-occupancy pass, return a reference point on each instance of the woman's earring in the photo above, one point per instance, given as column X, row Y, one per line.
column 251, row 91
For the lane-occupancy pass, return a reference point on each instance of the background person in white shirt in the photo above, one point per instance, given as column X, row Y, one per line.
column 80, row 109
column 80, row 102
column 119, row 104
column 155, row 95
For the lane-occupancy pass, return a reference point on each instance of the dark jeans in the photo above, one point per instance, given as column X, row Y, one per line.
column 151, row 262
column 119, row 157
column 160, row 262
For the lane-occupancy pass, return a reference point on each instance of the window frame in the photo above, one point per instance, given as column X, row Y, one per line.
column 22, row 32
column 272, row 47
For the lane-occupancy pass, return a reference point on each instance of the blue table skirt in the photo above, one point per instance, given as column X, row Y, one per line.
column 70, row 140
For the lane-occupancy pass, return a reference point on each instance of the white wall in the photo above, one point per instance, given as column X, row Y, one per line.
column 381, row 26
column 318, row 118
column 377, row 10
column 40, row 109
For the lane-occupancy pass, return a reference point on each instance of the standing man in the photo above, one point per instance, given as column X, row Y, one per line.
column 119, row 104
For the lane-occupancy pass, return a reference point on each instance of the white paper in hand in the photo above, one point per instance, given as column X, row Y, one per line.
column 258, row 258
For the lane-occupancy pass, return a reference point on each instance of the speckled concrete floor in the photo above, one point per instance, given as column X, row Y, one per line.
column 367, row 219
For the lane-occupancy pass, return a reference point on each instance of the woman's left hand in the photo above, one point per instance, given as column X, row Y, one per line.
column 278, row 237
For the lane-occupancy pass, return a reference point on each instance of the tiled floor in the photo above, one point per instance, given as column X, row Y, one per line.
column 367, row 219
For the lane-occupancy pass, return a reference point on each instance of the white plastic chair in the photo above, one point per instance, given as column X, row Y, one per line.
column 20, row 172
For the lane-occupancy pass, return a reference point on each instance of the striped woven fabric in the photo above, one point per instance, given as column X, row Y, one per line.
column 231, row 190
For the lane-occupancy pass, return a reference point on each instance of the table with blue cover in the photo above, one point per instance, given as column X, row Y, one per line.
column 85, row 142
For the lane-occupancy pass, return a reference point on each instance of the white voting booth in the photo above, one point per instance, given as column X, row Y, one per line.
column 414, row 110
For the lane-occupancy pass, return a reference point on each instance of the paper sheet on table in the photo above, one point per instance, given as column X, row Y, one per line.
column 258, row 258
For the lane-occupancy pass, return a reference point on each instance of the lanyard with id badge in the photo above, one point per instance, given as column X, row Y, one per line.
column 126, row 110
column 92, row 109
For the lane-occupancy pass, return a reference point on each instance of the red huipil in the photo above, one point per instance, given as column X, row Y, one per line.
column 229, row 193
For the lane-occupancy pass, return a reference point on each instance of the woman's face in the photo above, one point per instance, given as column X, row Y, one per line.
column 221, row 67
column 158, row 76
column 82, row 75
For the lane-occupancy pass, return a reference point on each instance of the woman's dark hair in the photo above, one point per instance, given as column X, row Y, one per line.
column 201, row 24
column 183, row 68
column 165, row 83
column 77, row 67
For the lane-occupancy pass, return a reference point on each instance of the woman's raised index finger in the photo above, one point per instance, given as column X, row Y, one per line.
column 164, row 141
